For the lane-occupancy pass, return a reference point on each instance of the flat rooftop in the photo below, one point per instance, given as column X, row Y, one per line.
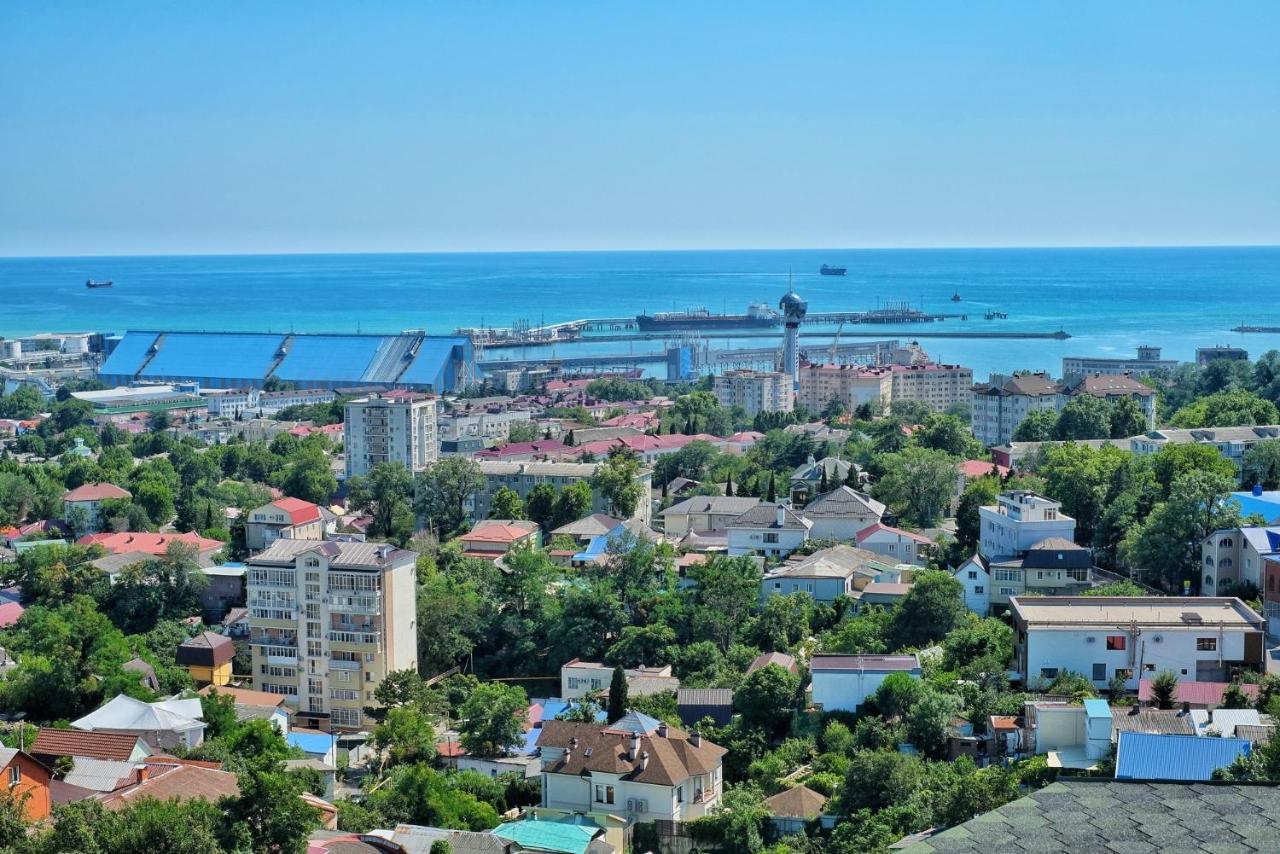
column 1112, row 611
column 872, row 663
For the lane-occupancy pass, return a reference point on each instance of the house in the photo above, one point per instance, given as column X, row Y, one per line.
column 834, row 571
column 146, row 673
column 88, row 498
column 588, row 678
column 1133, row 637
column 224, row 590
column 1052, row 567
column 637, row 767
column 207, row 657
column 791, row 809
column 524, row 476
column 770, row 530
column 886, row 594
column 52, row 744
column 162, row 725
column 27, row 780
column 705, row 513
column 584, row 530
column 841, row 513
column 316, row 744
column 1230, row 442
column 1080, row 814
column 235, row 623
column 176, row 779
column 781, row 659
column 896, row 544
column 490, row 539
column 1017, row 521
column 1233, row 556
column 154, row 545
column 1070, row 735
column 974, row 576
column 842, row 683
column 694, row 704
column 291, row 518
column 1011, row 454
column 816, row 477
column 254, row 705
column 1154, row 756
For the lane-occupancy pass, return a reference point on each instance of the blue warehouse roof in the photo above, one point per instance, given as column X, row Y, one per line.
column 328, row 358
column 1151, row 756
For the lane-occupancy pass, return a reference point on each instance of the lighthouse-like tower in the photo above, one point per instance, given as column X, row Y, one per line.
column 793, row 310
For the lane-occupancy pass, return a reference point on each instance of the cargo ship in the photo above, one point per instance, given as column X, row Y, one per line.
column 90, row 283
column 758, row 316
column 828, row 270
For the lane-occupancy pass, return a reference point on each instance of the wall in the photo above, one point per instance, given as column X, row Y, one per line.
column 1069, row 649
column 821, row 589
column 846, row 690
column 745, row 541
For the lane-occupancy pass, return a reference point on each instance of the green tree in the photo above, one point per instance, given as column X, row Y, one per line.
column 1040, row 425
column 540, row 506
column 444, row 489
column 1227, row 409
column 767, row 698
column 1164, row 688
column 978, row 646
column 1168, row 541
column 1084, row 417
column 736, row 825
column 310, row 478
column 1127, row 418
column 492, row 718
column 1261, row 465
column 449, row 620
column 506, row 504
column 616, row 480
column 1174, row 460
column 270, row 812
column 978, row 493
column 726, row 593
column 406, row 735
column 917, row 482
column 617, row 694
column 929, row 612
column 948, row 434
column 928, row 722
column 384, row 494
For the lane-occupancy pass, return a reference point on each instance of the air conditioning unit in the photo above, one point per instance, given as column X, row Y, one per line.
column 1091, row 640
column 642, row 805
column 631, row 804
column 1157, row 638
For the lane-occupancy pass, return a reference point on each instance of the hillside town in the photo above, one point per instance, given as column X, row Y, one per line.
column 824, row 608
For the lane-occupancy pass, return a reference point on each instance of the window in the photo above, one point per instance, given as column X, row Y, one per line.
column 1008, row 591
column 1148, row 668
column 979, row 589
column 1206, row 644
column 1124, row 673
column 15, row 775
column 1115, row 642
column 973, row 575
column 679, row 794
column 1099, row 672
column 1208, row 580
column 771, row 538
column 1048, row 672
column 604, row 794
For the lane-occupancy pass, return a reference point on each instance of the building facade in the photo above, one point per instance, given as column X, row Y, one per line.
column 770, row 530
column 284, row 518
column 524, row 476
column 1147, row 362
column 328, row 621
column 1017, row 521
column 842, row 683
column 1230, row 442
column 936, row 385
column 390, row 427
column 755, row 391
column 1004, row 402
column 1234, row 556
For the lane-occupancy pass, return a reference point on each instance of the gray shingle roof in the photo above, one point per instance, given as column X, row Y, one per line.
column 1113, row 815
column 766, row 516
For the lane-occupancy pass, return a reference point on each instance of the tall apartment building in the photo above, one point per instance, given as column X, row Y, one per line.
column 938, row 386
column 1004, row 402
column 396, row 426
column 327, row 622
column 755, row 391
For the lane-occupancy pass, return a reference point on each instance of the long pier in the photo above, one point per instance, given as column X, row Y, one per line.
column 756, row 334
column 863, row 352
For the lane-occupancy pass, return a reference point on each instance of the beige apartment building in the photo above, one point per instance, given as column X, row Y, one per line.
column 392, row 426
column 938, row 386
column 755, row 391
column 327, row 622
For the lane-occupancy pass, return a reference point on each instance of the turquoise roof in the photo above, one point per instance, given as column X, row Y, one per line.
column 541, row 835
column 1097, row 709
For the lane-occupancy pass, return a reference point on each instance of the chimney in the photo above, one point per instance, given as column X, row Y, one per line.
column 695, row 738
column 1211, row 716
column 662, row 730
column 1186, row 707
column 634, row 750
column 644, row 760
column 782, row 515
column 143, row 772
column 573, row 742
column 1135, row 709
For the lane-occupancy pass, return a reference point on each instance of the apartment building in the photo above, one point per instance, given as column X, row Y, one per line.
column 1112, row 387
column 464, row 430
column 88, row 498
column 755, row 391
column 327, row 622
column 1147, row 362
column 271, row 402
column 1018, row 520
column 1234, row 556
column 393, row 426
column 938, row 386
column 1230, row 442
column 524, row 476
column 1004, row 402
column 231, row 402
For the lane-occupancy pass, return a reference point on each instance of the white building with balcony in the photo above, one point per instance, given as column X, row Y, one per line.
column 1017, row 521
column 327, row 622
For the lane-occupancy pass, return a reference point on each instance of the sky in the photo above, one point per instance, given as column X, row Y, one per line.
column 172, row 128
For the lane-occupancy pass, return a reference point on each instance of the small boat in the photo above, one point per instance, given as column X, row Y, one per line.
column 90, row 283
column 828, row 270
column 955, row 297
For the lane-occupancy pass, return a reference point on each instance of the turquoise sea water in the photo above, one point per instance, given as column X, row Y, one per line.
column 1110, row 300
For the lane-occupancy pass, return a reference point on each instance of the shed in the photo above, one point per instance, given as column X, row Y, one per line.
column 694, row 704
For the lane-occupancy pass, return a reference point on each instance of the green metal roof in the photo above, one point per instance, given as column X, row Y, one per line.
column 555, row 836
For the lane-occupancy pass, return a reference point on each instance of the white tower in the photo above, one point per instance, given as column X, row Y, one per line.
column 793, row 310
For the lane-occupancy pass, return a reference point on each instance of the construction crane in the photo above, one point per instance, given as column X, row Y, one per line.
column 835, row 344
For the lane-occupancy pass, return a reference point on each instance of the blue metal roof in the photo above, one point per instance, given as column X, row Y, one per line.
column 226, row 355
column 312, row 742
column 328, row 358
column 1097, row 708
column 1266, row 505
column 128, row 355
column 433, row 364
column 1149, row 756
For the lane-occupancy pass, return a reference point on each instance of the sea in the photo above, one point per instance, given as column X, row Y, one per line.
column 1109, row 300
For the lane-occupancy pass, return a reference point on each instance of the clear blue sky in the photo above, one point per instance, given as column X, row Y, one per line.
column 259, row 127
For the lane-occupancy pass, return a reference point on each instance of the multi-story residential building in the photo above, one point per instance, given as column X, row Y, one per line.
column 975, row 578
column 939, row 386
column 1112, row 387
column 1271, row 595
column 1234, row 556
column 1017, row 521
column 826, row 574
column 232, row 402
column 1134, row 637
column 284, row 518
column 1052, row 567
column 1231, row 442
column 328, row 621
column 755, row 391
column 580, row 678
column 1205, row 355
column 524, row 476
column 271, row 402
column 770, row 530
column 88, row 498
column 1147, row 362
column 1004, row 402
column 465, row 429
column 394, row 426
column 635, row 767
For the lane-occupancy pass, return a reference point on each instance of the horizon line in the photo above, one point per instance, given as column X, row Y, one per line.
column 912, row 248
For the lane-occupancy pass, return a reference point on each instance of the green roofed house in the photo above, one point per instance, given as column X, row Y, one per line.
column 560, row 837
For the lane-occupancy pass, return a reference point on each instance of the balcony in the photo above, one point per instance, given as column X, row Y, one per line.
column 355, row 604
column 360, row 638
column 340, row 664
column 278, row 654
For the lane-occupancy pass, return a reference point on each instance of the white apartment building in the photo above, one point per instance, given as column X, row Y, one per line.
column 1231, row 442
column 755, row 391
column 1017, row 521
column 1004, row 402
column 393, row 426
column 327, row 622
column 524, row 476
column 580, row 678
column 1236, row 555
column 271, row 402
column 1134, row 637
column 490, row 425
column 1147, row 362
column 938, row 386
column 232, row 402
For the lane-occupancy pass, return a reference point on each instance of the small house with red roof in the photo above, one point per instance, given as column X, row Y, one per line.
column 896, row 544
column 490, row 539
column 284, row 518
column 89, row 497
column 156, row 545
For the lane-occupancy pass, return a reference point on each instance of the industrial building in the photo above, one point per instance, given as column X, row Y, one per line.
column 247, row 359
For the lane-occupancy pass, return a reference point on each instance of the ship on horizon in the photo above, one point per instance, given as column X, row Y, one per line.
column 828, row 270
column 90, row 283
column 758, row 316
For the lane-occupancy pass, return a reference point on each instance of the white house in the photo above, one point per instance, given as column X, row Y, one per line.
column 976, row 580
column 587, row 678
column 1134, row 637
column 89, row 497
column 836, row 571
column 1018, row 520
column 1233, row 555
column 163, row 725
column 841, row 513
column 844, row 682
column 896, row 544
column 636, row 767
column 768, row 529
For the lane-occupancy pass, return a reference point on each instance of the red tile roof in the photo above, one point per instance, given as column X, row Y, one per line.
column 152, row 544
column 981, row 468
column 95, row 492
column 1196, row 693
column 300, row 512
column 184, row 782
column 73, row 742
column 10, row 613
column 499, row 531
